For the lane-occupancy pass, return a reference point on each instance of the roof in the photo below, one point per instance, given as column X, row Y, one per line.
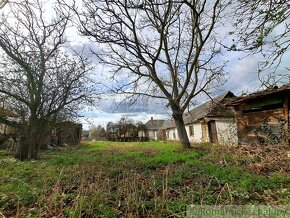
column 265, row 93
column 215, row 107
column 154, row 124
column 168, row 124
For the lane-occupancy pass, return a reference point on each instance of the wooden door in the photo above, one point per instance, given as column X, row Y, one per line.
column 212, row 132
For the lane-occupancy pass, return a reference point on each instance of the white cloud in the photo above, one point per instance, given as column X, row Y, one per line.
column 243, row 74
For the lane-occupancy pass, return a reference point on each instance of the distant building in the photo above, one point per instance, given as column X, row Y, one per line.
column 154, row 129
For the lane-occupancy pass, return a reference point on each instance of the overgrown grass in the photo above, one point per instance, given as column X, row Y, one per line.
column 148, row 179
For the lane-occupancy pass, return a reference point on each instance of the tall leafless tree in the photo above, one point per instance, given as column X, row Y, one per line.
column 166, row 49
column 3, row 3
column 264, row 27
column 40, row 80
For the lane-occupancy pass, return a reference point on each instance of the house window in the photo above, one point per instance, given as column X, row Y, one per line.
column 174, row 136
column 191, row 131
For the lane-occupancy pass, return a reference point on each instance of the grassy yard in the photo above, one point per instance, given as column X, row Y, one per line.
column 148, row 179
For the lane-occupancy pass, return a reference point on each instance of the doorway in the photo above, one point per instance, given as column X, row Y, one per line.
column 212, row 130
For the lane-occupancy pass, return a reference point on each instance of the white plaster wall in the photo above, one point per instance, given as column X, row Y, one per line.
column 227, row 132
column 197, row 132
column 170, row 134
column 152, row 134
column 155, row 135
column 141, row 134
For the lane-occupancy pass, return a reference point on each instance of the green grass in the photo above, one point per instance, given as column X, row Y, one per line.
column 142, row 179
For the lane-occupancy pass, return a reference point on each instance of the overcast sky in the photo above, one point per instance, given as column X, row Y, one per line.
column 243, row 77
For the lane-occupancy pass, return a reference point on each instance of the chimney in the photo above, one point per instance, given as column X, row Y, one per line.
column 151, row 119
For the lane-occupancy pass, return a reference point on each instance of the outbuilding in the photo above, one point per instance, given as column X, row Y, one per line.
column 263, row 117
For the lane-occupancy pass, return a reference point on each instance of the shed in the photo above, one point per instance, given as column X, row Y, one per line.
column 263, row 116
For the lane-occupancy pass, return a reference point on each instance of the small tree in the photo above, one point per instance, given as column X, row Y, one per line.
column 165, row 50
column 123, row 128
column 3, row 3
column 40, row 80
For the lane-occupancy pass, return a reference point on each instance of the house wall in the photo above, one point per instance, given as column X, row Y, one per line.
column 197, row 136
column 152, row 134
column 171, row 134
column 197, row 132
column 227, row 132
column 142, row 134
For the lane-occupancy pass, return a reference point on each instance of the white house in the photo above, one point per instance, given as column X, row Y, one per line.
column 153, row 128
column 210, row 122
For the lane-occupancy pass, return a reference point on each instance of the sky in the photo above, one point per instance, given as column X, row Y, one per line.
column 242, row 78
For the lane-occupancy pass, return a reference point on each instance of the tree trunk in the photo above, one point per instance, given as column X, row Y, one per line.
column 22, row 149
column 182, row 134
column 27, row 145
column 32, row 137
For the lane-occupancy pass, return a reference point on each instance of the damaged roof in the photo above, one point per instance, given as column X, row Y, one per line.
column 283, row 90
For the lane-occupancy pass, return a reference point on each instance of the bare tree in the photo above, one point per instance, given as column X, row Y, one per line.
column 40, row 80
column 158, row 49
column 124, row 129
column 3, row 3
column 263, row 27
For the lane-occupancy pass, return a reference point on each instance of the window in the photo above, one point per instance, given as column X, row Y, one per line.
column 191, row 132
column 174, row 136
